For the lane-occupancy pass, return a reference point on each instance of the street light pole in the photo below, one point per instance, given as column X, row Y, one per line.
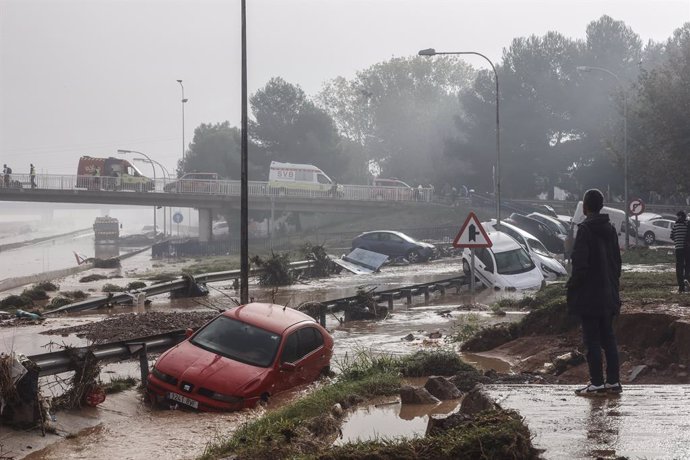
column 584, row 68
column 497, row 173
column 167, row 177
column 184, row 100
column 244, row 184
column 125, row 152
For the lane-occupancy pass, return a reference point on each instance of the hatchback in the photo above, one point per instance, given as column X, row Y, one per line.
column 505, row 265
column 241, row 357
column 395, row 244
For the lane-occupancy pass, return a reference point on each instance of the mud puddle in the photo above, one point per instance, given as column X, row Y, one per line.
column 390, row 420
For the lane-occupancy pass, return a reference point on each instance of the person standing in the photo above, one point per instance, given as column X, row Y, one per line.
column 6, row 171
column 32, row 175
column 679, row 235
column 593, row 293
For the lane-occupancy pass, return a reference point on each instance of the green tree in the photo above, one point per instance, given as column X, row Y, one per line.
column 289, row 127
column 400, row 112
column 660, row 122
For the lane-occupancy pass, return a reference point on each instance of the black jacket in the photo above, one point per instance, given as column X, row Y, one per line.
column 596, row 269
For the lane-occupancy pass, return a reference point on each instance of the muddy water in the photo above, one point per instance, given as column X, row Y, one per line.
column 391, row 420
column 124, row 427
column 646, row 421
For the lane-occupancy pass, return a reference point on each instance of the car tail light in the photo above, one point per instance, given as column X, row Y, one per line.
column 219, row 396
column 164, row 377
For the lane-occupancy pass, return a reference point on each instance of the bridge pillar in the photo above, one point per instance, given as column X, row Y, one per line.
column 205, row 224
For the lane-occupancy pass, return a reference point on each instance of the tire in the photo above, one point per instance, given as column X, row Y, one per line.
column 413, row 256
column 649, row 238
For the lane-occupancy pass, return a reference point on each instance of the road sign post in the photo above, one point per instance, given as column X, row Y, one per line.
column 177, row 218
column 472, row 235
column 636, row 207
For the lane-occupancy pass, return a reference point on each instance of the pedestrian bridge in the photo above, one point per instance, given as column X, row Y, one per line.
column 207, row 195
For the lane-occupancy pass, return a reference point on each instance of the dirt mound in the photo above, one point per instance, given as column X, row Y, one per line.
column 131, row 325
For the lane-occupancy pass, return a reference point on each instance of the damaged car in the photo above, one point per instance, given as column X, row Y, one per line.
column 243, row 356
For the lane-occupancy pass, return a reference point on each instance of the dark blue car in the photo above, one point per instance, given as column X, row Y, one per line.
column 394, row 244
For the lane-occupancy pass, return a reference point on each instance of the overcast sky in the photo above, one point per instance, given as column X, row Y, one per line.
column 86, row 77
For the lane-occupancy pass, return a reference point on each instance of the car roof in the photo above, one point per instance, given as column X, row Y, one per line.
column 545, row 216
column 502, row 242
column 516, row 229
column 271, row 317
column 400, row 234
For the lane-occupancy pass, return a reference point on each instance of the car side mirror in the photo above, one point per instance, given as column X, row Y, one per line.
column 188, row 332
column 288, row 367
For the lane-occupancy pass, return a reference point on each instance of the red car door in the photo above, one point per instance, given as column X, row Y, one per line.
column 312, row 354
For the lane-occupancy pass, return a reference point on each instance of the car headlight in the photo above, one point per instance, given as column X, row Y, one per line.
column 220, row 396
column 163, row 376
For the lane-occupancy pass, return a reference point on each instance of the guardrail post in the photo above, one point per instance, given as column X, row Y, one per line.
column 322, row 315
column 425, row 290
column 143, row 364
column 408, row 295
column 389, row 300
column 442, row 289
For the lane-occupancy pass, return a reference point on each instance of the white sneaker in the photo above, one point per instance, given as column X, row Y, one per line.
column 614, row 387
column 591, row 390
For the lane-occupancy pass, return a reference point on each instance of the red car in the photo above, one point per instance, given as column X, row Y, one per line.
column 242, row 356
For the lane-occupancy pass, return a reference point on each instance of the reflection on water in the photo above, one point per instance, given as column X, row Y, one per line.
column 391, row 420
column 485, row 362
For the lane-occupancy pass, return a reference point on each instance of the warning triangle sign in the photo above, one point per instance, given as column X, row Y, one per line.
column 472, row 234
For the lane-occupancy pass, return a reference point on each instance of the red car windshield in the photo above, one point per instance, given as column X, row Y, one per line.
column 239, row 341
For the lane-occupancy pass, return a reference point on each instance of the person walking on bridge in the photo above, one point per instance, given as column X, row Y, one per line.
column 593, row 293
column 32, row 175
column 679, row 235
column 6, row 171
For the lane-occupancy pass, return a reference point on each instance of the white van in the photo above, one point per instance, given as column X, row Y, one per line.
column 616, row 216
column 290, row 176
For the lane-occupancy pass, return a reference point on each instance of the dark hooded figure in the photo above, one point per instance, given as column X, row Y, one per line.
column 679, row 235
column 593, row 293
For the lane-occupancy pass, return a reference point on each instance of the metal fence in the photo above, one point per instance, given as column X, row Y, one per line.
column 213, row 187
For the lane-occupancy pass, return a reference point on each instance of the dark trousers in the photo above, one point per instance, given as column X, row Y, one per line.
column 682, row 267
column 597, row 332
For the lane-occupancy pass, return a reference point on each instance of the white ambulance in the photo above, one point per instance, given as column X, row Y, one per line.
column 283, row 178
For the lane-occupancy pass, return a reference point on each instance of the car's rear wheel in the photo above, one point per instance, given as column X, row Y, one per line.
column 414, row 257
column 649, row 238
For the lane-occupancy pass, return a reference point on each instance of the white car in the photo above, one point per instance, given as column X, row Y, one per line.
column 656, row 230
column 505, row 265
column 550, row 267
column 220, row 228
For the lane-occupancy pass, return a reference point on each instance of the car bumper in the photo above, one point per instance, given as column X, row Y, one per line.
column 158, row 393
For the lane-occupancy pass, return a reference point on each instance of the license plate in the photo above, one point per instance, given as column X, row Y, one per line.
column 184, row 400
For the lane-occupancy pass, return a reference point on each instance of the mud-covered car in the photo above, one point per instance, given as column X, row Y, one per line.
column 242, row 356
column 395, row 244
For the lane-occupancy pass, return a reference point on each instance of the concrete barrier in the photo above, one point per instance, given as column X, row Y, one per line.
column 11, row 283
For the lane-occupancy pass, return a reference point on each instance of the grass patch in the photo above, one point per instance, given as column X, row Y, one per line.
column 161, row 277
column 74, row 295
column 134, row 285
column 119, row 384
column 48, row 286
column 465, row 327
column 90, row 278
column 57, row 302
column 305, row 428
column 109, row 287
column 15, row 301
column 213, row 264
column 642, row 255
column 491, row 435
column 35, row 293
column 272, row 435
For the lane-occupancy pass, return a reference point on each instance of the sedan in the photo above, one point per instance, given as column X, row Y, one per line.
column 656, row 230
column 394, row 244
column 241, row 357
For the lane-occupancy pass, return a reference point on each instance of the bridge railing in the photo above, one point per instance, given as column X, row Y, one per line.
column 213, row 187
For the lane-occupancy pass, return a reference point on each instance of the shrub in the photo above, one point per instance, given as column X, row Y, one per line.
column 134, row 285
column 94, row 277
column 276, row 270
column 58, row 302
column 108, row 287
column 48, row 286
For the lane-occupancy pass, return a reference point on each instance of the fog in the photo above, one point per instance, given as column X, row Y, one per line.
column 89, row 77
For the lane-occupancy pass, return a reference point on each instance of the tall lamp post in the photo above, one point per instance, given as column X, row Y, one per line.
column 585, row 68
column 125, row 152
column 497, row 173
column 167, row 177
column 184, row 101
column 244, row 184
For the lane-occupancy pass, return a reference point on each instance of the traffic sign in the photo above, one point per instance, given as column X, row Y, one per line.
column 178, row 217
column 472, row 234
column 636, row 207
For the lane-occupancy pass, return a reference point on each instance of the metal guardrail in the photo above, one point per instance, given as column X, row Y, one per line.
column 162, row 288
column 67, row 360
column 215, row 187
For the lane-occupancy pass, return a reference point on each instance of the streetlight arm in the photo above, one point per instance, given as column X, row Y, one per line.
column 433, row 52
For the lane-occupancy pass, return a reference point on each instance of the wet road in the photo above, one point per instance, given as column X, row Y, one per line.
column 646, row 421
